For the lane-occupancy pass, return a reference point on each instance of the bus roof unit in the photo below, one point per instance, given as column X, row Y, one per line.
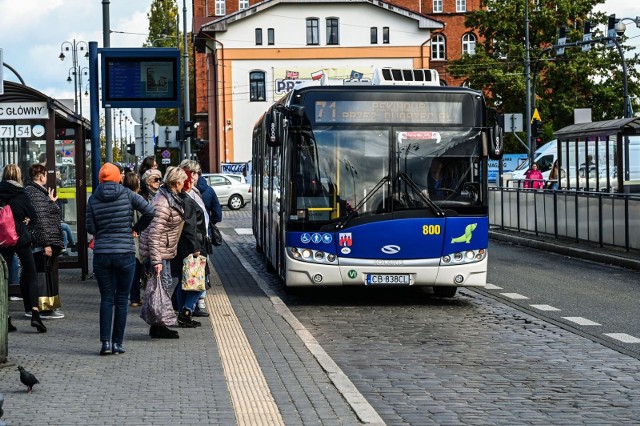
column 405, row 77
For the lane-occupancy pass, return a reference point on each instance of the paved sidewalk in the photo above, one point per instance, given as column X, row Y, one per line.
column 208, row 376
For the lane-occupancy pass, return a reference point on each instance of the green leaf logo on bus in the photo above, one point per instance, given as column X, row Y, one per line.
column 466, row 237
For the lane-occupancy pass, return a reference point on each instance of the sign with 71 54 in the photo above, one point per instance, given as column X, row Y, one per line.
column 17, row 131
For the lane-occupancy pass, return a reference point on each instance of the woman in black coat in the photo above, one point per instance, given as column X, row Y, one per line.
column 46, row 238
column 13, row 194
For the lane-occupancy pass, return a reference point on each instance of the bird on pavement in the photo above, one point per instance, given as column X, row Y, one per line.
column 27, row 378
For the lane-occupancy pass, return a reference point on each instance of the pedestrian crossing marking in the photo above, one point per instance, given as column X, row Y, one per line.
column 514, row 296
column 581, row 321
column 243, row 231
column 623, row 337
column 544, row 307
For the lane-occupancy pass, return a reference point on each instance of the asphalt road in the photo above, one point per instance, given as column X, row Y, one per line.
column 580, row 290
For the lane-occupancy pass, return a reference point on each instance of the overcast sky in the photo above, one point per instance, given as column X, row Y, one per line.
column 32, row 31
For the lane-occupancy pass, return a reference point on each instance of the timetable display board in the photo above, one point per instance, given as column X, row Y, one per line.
column 140, row 78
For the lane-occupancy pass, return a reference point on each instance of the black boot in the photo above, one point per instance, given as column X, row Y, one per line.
column 162, row 332
column 37, row 322
column 184, row 319
column 11, row 327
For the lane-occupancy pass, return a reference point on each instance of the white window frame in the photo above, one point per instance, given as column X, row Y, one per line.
column 221, row 8
column 436, row 41
column 243, row 4
column 461, row 6
column 469, row 41
column 437, row 6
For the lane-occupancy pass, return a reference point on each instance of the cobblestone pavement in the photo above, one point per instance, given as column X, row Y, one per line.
column 470, row 360
column 416, row 359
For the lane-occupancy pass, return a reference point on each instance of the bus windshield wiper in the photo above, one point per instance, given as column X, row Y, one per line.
column 353, row 212
column 436, row 209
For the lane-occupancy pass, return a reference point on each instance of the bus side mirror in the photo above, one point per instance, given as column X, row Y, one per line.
column 274, row 128
column 496, row 140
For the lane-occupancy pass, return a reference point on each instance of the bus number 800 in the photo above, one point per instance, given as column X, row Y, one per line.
column 431, row 229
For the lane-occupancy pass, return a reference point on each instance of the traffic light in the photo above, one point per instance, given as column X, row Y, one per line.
column 586, row 36
column 189, row 129
column 131, row 148
column 537, row 131
column 562, row 40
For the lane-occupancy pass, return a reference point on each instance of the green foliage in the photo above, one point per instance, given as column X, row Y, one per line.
column 164, row 31
column 576, row 79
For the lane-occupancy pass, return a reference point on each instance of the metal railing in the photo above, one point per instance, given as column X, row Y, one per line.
column 611, row 219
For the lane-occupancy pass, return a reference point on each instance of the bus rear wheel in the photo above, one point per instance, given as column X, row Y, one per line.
column 444, row 291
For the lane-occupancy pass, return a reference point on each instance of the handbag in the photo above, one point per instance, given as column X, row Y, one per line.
column 157, row 308
column 48, row 288
column 216, row 236
column 8, row 234
column 194, row 273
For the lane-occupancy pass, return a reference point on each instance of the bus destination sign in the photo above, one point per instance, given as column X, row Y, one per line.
column 409, row 112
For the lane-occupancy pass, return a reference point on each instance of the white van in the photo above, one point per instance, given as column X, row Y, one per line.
column 547, row 154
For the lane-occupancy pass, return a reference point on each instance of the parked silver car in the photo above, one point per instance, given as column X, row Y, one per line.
column 231, row 192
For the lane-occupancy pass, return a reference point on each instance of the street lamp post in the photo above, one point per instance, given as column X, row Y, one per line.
column 74, row 47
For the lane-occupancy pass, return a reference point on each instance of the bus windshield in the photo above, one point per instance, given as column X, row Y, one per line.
column 337, row 169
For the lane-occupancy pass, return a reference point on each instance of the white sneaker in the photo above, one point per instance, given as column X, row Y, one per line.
column 15, row 298
column 201, row 305
column 55, row 314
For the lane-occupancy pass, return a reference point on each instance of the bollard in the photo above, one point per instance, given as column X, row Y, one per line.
column 4, row 310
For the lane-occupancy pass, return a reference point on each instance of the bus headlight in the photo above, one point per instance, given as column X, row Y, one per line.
column 469, row 256
column 313, row 256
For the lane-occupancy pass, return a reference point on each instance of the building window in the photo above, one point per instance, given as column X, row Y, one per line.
column 332, row 31
column 461, row 5
column 469, row 44
column 385, row 35
column 243, row 4
column 221, row 8
column 271, row 36
column 438, row 47
column 437, row 6
column 374, row 35
column 313, row 31
column 258, row 36
column 257, row 91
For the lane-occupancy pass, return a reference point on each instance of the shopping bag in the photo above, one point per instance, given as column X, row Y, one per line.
column 194, row 273
column 8, row 234
column 157, row 308
column 48, row 289
column 216, row 236
column 48, row 284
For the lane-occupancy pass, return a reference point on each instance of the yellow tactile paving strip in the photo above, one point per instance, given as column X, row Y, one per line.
column 251, row 397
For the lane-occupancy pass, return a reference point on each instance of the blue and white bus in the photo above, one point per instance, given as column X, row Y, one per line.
column 346, row 191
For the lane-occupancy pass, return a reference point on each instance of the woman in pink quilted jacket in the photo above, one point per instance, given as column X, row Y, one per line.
column 534, row 178
column 159, row 241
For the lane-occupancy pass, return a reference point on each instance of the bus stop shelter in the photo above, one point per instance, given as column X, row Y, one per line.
column 35, row 128
column 601, row 156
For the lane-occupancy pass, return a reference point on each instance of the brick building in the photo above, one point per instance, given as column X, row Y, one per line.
column 444, row 43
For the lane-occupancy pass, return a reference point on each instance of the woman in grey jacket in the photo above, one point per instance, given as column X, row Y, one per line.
column 109, row 219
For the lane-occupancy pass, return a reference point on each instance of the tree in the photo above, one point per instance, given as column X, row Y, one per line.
column 164, row 31
column 576, row 79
